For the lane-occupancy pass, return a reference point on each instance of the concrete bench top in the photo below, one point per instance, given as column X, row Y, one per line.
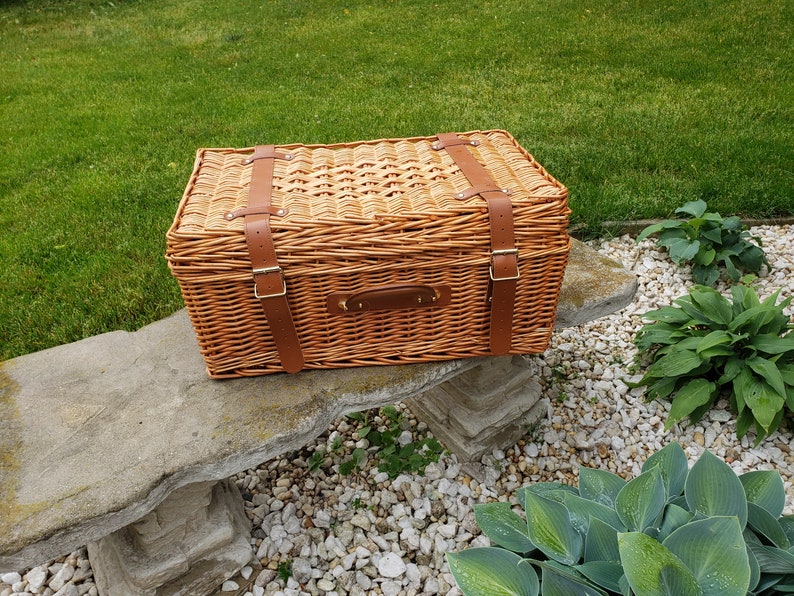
column 95, row 434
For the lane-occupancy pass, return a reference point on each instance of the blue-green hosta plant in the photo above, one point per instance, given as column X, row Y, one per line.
column 707, row 345
column 670, row 531
column 709, row 242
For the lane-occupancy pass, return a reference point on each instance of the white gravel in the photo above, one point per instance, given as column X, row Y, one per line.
column 366, row 534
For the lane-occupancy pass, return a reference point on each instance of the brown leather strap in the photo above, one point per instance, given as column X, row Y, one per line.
column 503, row 268
column 270, row 286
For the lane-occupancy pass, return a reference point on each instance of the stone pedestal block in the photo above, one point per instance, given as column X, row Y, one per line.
column 194, row 540
column 484, row 408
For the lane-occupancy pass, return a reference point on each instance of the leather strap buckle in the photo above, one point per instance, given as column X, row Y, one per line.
column 268, row 271
column 513, row 264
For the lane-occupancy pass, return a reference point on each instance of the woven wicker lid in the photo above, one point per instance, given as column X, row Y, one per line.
column 392, row 179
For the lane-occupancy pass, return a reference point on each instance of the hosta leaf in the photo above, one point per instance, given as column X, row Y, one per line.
column 764, row 524
column 698, row 413
column 713, row 549
column 772, row 427
column 662, row 388
column 696, row 393
column 667, row 314
column 671, row 462
column 657, row 334
column 768, row 371
column 714, row 352
column 785, row 584
column 719, row 337
column 771, row 343
column 549, row 528
column 787, row 372
column 732, row 367
column 690, row 308
column 651, row 229
column 751, row 320
column 581, row 511
column 706, row 254
column 694, row 208
column 765, row 488
column 557, row 495
column 764, row 401
column 564, row 582
column 601, row 542
column 688, row 343
column 492, row 572
column 772, row 559
column 641, row 501
column 599, row 485
column 767, row 407
column 705, row 274
column 605, row 574
column 712, row 488
column 674, row 518
column 652, row 570
column 787, row 523
column 543, row 489
column 730, row 268
column 682, row 250
column 755, row 569
column 675, row 364
column 732, row 223
column 712, row 233
column 752, row 257
column 714, row 218
column 503, row 526
column 744, row 298
column 744, row 420
column 712, row 304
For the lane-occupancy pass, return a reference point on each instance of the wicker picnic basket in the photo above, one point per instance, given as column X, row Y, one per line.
column 378, row 252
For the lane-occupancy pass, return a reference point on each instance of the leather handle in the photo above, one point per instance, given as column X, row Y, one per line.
column 391, row 297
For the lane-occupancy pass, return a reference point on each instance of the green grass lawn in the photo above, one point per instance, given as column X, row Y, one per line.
column 636, row 106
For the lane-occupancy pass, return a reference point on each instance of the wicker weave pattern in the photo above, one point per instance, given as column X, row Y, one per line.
column 362, row 215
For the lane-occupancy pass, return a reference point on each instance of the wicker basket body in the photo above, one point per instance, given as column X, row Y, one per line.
column 364, row 215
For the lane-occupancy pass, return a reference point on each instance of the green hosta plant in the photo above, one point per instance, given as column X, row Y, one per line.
column 707, row 344
column 708, row 241
column 670, row 531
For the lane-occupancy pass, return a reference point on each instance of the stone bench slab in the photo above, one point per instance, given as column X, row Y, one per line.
column 96, row 434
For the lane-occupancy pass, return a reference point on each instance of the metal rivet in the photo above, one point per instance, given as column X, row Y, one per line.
column 230, row 216
column 281, row 212
column 459, row 195
column 289, row 156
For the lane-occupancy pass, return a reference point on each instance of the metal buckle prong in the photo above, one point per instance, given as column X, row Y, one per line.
column 267, row 270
